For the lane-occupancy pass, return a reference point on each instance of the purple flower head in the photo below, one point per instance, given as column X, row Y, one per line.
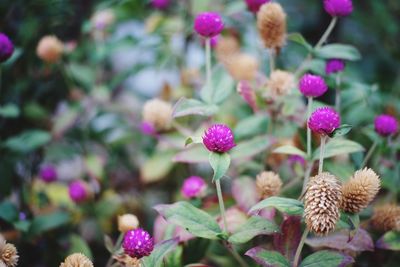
column 138, row 243
column 219, row 138
column 208, row 24
column 78, row 191
column 147, row 128
column 334, row 66
column 312, row 85
column 6, row 47
column 213, row 41
column 338, row 8
column 386, row 125
column 48, row 173
column 254, row 5
column 324, row 120
column 296, row 159
column 194, row 186
column 160, row 4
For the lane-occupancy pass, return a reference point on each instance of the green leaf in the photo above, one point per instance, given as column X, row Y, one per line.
column 285, row 205
column 157, row 166
column 193, row 140
column 341, row 131
column 251, row 126
column 339, row 51
column 267, row 258
column 390, row 241
column 8, row 211
column 28, row 141
column 194, row 220
column 185, row 107
column 23, row 226
column 15, row 55
column 326, row 258
column 291, row 150
column 196, row 153
column 160, row 251
column 222, row 87
column 9, row 111
column 250, row 148
column 299, row 39
column 48, row 222
column 175, row 258
column 220, row 163
column 254, row 226
column 84, row 75
column 338, row 147
column 78, row 244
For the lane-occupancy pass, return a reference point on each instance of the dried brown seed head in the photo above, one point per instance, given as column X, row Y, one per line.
column 271, row 23
column 8, row 254
column 268, row 184
column 242, row 67
column 49, row 49
column 158, row 113
column 386, row 218
column 227, row 47
column 280, row 83
column 77, row 260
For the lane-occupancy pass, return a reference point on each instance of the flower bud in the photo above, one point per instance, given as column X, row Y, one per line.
column 194, row 186
column 78, row 191
column 208, row 24
column 386, row 125
column 334, row 66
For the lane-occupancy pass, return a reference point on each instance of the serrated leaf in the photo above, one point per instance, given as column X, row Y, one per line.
column 337, row 147
column 339, row 51
column 254, row 226
column 186, row 107
column 194, row 220
column 341, row 131
column 219, row 163
column 390, row 241
column 160, row 251
column 327, row 258
column 290, row 150
column 285, row 205
column 267, row 258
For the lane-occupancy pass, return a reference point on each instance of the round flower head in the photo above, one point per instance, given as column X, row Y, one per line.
column 160, row 4
column 77, row 259
column 138, row 243
column 338, row 8
column 147, row 128
column 312, row 85
column 6, row 47
column 49, row 49
column 78, row 191
column 242, row 66
column 208, row 24
column 103, row 19
column 279, row 83
column 127, row 222
column 271, row 24
column 334, row 66
column 158, row 113
column 386, row 218
column 386, row 125
column 268, row 184
column 194, row 186
column 324, row 121
column 219, row 138
column 254, row 5
column 48, row 173
column 8, row 254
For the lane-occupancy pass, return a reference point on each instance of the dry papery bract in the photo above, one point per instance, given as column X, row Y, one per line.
column 77, row 260
column 386, row 218
column 271, row 23
column 268, row 184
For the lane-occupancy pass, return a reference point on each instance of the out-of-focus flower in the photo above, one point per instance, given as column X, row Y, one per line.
column 242, row 66
column 268, row 184
column 158, row 113
column 324, row 121
column 138, row 243
column 334, row 66
column 213, row 41
column 321, row 203
column 78, row 191
column 77, row 260
column 49, row 49
column 386, row 125
column 254, row 5
column 234, row 219
column 194, row 186
column 360, row 190
column 338, row 8
column 271, row 23
column 219, row 138
column 161, row 227
column 8, row 254
column 208, row 24
column 226, row 47
column 386, row 218
column 160, row 4
column 103, row 19
column 127, row 222
column 246, row 91
column 6, row 47
column 48, row 173
column 147, row 128
column 279, row 83
column 296, row 159
column 312, row 85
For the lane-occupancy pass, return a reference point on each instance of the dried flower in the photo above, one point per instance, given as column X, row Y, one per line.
column 8, row 254
column 219, row 138
column 48, row 173
column 158, row 113
column 271, row 23
column 78, row 191
column 127, row 222
column 312, row 85
column 254, row 5
column 321, row 202
column 386, row 125
column 324, row 121
column 268, row 184
column 246, row 91
column 226, row 47
column 208, row 24
column 338, row 8
column 242, row 67
column 103, row 19
column 49, row 49
column 77, row 260
column 280, row 83
column 386, row 218
column 138, row 243
column 6, row 47
column 160, row 4
column 360, row 190
column 334, row 66
column 194, row 186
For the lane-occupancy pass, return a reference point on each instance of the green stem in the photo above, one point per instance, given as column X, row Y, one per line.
column 208, row 62
column 221, row 204
column 300, row 248
column 309, row 110
column 337, row 90
column 369, row 154
column 321, row 153
column 115, row 249
column 236, row 255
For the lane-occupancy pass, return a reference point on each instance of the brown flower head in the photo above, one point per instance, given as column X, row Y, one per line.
column 321, row 202
column 49, row 49
column 158, row 113
column 360, row 190
column 127, row 222
column 77, row 260
column 8, row 254
column 279, row 83
column 386, row 218
column 242, row 67
column 226, row 47
column 268, row 184
column 271, row 23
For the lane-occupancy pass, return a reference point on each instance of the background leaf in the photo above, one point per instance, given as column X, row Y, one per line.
column 327, row 258
column 267, row 258
column 390, row 241
column 337, row 147
column 160, row 251
column 339, row 51
column 254, row 226
column 285, row 205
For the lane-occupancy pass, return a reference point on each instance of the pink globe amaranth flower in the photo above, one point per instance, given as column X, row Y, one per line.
column 160, row 4
column 338, row 8
column 6, row 47
column 78, row 191
column 296, row 159
column 194, row 186
column 219, row 138
column 386, row 125
column 147, row 128
column 254, row 5
column 312, row 85
column 138, row 243
column 48, row 173
column 324, row 120
column 334, row 66
column 208, row 24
